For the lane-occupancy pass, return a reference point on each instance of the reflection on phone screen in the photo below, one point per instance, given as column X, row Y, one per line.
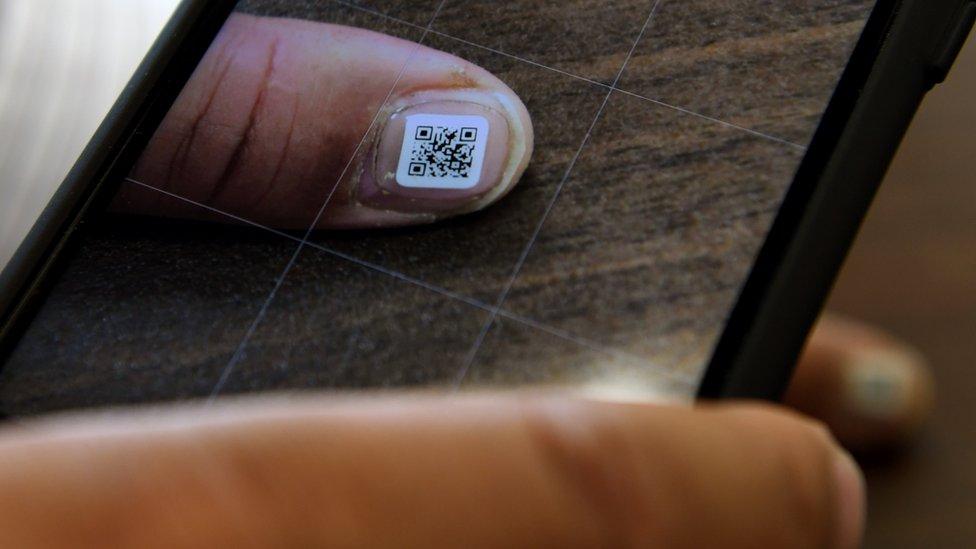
column 444, row 193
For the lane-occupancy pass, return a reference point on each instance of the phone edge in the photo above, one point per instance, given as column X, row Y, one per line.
column 144, row 101
column 888, row 75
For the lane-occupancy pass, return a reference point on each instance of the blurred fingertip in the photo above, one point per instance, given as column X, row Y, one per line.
column 851, row 501
column 874, row 391
column 887, row 395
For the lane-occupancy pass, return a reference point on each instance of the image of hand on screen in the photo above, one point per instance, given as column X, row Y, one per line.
column 282, row 112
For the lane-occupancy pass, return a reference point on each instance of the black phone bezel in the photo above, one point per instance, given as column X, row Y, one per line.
column 905, row 49
column 894, row 64
column 107, row 158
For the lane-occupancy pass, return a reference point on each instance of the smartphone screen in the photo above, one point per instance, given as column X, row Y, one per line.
column 449, row 194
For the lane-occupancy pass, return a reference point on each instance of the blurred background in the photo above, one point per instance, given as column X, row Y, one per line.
column 912, row 270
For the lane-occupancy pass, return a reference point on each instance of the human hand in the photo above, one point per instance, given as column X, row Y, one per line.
column 488, row 470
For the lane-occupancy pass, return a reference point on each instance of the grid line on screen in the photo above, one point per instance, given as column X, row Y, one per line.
column 493, row 314
column 239, row 352
column 676, row 376
column 611, row 87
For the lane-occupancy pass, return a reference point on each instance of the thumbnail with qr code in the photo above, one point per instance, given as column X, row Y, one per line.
column 442, row 151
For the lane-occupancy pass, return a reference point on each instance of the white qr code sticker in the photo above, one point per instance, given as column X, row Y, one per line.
column 442, row 151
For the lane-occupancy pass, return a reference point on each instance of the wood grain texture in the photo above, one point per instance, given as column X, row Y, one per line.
column 338, row 325
column 631, row 276
column 147, row 311
column 767, row 65
column 588, row 38
column 654, row 233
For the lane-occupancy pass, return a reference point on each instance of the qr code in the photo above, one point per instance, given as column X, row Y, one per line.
column 442, row 151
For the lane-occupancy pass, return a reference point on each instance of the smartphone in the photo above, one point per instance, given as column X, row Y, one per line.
column 688, row 178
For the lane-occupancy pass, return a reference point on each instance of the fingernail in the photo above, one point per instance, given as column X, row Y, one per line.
column 444, row 152
column 851, row 501
column 886, row 384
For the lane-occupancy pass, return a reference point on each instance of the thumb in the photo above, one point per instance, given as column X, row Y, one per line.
column 482, row 471
column 873, row 391
column 283, row 115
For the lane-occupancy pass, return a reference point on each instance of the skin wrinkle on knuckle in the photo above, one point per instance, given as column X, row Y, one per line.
column 184, row 483
column 247, row 490
column 814, row 497
column 597, row 461
column 215, row 488
column 802, row 462
column 205, row 136
column 243, row 149
column 178, row 167
column 278, row 492
column 282, row 158
column 789, row 467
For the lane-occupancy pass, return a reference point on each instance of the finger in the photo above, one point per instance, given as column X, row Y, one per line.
column 872, row 390
column 485, row 471
column 277, row 112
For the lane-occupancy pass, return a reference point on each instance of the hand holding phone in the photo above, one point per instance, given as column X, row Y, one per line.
column 612, row 270
column 490, row 470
